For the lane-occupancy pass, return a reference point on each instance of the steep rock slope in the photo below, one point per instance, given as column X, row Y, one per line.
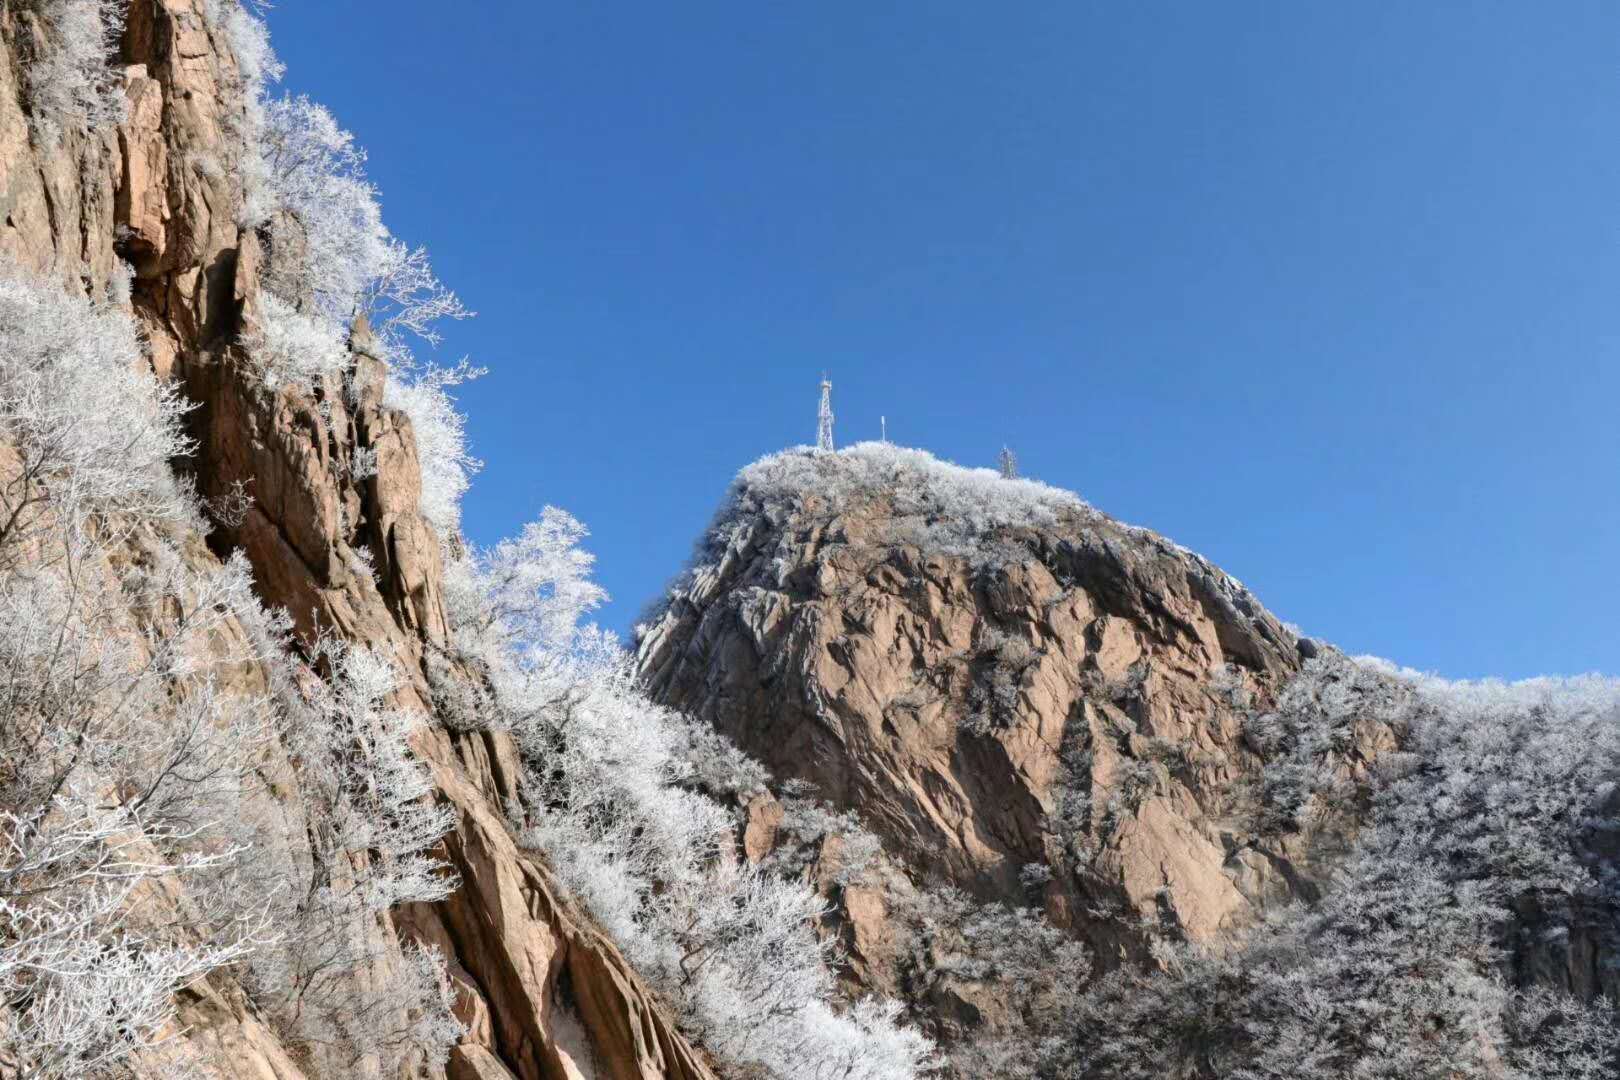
column 541, row 993
column 1103, row 817
column 1014, row 690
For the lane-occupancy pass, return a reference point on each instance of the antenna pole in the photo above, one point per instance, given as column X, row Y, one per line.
column 824, row 417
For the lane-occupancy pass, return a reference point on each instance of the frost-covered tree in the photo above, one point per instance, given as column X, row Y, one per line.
column 88, row 430
column 1488, row 824
column 610, row 795
column 292, row 348
column 330, row 242
column 119, row 765
column 934, row 503
column 333, row 261
column 1310, row 737
column 354, row 749
column 71, row 82
column 331, row 252
column 811, row 830
column 257, row 65
column 441, row 439
column 121, row 760
column 132, row 773
column 953, row 945
column 329, row 983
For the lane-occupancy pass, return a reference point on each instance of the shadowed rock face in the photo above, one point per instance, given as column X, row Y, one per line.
column 1068, row 693
column 543, row 995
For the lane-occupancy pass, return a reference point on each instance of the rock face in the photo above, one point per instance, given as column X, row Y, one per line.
column 542, row 994
column 1030, row 700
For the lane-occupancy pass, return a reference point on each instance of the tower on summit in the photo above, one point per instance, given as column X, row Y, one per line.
column 824, row 418
column 1009, row 464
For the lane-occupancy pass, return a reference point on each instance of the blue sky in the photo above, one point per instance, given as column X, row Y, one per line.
column 1325, row 291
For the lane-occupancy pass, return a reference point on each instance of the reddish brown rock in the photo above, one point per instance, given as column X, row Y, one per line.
column 762, row 817
column 1060, row 695
column 542, row 994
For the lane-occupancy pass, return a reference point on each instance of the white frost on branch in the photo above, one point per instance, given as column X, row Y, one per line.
column 610, row 795
column 1495, row 816
column 132, row 759
column 292, row 348
column 122, row 761
column 329, row 242
column 92, row 428
column 441, row 438
column 72, row 85
column 332, row 260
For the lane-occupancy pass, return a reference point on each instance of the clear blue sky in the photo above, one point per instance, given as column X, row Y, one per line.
column 1327, row 291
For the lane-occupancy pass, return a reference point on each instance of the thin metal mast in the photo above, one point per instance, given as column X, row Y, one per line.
column 824, row 419
column 1009, row 464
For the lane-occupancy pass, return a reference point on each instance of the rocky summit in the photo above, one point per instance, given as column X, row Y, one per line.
column 1033, row 707
column 1017, row 693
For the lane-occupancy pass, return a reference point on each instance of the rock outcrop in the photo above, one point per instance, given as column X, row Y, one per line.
column 1054, row 690
column 1027, row 702
column 344, row 550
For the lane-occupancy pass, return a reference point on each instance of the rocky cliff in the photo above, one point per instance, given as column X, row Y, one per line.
column 1086, row 728
column 1041, row 699
column 540, row 993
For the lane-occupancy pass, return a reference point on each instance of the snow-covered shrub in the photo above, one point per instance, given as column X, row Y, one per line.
column 92, row 429
column 1311, row 734
column 120, row 285
column 1392, row 975
column 249, row 41
column 328, row 241
column 955, row 946
column 1000, row 668
column 328, row 985
column 356, row 752
column 294, row 348
column 230, row 508
column 426, row 997
column 939, row 504
column 718, row 768
column 363, row 463
column 1488, row 812
column 71, row 82
column 810, row 829
column 610, row 797
column 441, row 439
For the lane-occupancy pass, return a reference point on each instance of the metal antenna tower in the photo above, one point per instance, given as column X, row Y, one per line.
column 824, row 419
column 1009, row 464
